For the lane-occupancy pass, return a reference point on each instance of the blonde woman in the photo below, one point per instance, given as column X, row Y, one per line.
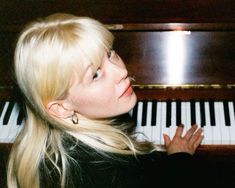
column 75, row 89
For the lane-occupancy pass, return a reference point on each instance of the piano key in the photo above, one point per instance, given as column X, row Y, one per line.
column 193, row 112
column 21, row 115
column 178, row 112
column 139, row 113
column 144, row 113
column 232, row 122
column 154, row 113
column 188, row 116
column 202, row 114
column 212, row 113
column 207, row 113
column 148, row 128
column 165, row 129
column 168, row 113
column 225, row 130
column 217, row 138
column 207, row 129
column 139, row 127
column 8, row 113
column 134, row 112
column 14, row 130
column 226, row 113
column 183, row 116
column 173, row 120
column 198, row 113
column 157, row 130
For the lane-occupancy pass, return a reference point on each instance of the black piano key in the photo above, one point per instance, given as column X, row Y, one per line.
column 20, row 116
column 154, row 113
column 212, row 112
column 193, row 112
column 2, row 104
column 202, row 113
column 178, row 112
column 8, row 113
column 226, row 113
column 144, row 113
column 134, row 113
column 168, row 113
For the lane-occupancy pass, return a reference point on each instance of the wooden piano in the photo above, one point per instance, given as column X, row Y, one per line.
column 181, row 54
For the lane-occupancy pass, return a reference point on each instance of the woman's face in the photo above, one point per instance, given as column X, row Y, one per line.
column 105, row 92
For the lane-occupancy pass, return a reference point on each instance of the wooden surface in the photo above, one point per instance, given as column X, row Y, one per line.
column 16, row 12
column 158, row 57
column 144, row 36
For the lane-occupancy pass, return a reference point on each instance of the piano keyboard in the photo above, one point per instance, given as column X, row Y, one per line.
column 153, row 118
column 217, row 119
column 11, row 121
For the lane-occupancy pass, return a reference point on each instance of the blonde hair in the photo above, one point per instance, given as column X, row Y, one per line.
column 45, row 56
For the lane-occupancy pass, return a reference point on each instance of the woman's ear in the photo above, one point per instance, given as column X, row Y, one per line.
column 58, row 109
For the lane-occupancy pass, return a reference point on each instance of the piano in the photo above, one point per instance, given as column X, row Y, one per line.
column 181, row 54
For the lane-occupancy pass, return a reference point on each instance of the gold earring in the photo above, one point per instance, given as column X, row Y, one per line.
column 75, row 119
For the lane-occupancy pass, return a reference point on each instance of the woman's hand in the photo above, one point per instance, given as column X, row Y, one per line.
column 187, row 143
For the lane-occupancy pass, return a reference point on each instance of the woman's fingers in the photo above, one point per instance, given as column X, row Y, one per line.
column 179, row 131
column 167, row 140
column 190, row 132
column 196, row 139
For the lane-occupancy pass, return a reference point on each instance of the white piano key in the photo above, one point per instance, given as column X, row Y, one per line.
column 232, row 119
column 157, row 130
column 207, row 130
column 13, row 120
column 187, row 116
column 165, row 130
column 216, row 129
column 139, row 128
column 173, row 120
column 183, row 118
column 225, row 130
column 148, row 127
column 198, row 115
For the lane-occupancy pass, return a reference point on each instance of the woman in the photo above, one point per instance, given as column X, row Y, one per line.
column 75, row 89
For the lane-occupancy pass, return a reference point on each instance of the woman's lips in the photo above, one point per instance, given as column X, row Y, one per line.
column 128, row 91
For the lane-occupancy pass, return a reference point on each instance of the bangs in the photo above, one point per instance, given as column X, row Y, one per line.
column 93, row 40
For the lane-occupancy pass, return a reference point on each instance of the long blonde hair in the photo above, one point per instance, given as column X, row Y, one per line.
column 45, row 55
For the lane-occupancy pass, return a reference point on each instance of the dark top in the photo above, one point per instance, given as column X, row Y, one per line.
column 91, row 169
column 94, row 169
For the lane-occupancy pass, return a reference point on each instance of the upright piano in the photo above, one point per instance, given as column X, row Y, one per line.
column 181, row 55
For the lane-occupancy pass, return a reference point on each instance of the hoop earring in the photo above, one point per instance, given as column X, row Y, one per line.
column 74, row 118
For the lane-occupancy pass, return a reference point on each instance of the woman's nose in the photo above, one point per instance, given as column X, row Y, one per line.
column 118, row 66
column 121, row 75
column 119, row 72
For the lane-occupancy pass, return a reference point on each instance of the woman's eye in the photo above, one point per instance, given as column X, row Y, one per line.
column 109, row 53
column 97, row 73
